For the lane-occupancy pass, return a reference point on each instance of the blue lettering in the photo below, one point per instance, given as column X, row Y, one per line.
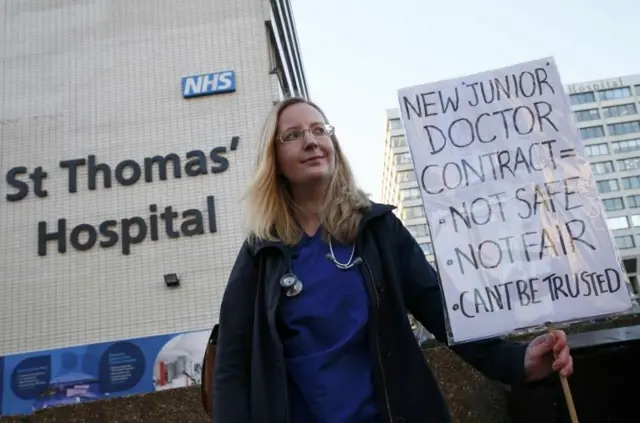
column 208, row 84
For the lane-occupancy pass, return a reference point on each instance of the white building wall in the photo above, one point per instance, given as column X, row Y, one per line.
column 102, row 77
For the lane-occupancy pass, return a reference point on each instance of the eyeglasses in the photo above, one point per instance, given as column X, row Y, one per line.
column 316, row 132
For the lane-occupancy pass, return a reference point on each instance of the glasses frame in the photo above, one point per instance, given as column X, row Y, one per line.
column 330, row 129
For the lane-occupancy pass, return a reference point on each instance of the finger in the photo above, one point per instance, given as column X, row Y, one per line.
column 562, row 360
column 560, row 335
column 540, row 347
column 540, row 340
column 560, row 342
column 567, row 370
column 548, row 340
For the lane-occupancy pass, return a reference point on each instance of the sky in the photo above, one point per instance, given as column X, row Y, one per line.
column 357, row 53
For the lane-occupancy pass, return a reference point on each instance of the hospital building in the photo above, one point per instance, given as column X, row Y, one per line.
column 128, row 133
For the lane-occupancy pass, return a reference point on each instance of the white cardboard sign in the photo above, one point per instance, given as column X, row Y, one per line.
column 517, row 226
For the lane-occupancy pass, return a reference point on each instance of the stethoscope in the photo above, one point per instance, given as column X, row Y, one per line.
column 292, row 285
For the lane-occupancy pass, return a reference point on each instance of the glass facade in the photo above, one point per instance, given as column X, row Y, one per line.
column 286, row 62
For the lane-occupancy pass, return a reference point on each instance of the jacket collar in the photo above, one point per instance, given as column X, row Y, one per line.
column 374, row 211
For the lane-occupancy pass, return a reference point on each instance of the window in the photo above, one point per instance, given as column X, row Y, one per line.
column 638, row 90
column 621, row 110
column 597, row 150
column 582, row 98
column 410, row 194
column 412, row 212
column 398, row 141
column 635, row 220
column 586, row 115
column 608, row 185
column 623, row 128
column 427, row 247
column 625, row 146
column 403, row 158
column 613, row 204
column 631, row 182
column 632, row 163
column 632, row 284
column 625, row 242
column 591, row 132
column 615, row 223
column 633, row 201
column 600, row 168
column 418, row 230
column 395, row 123
column 614, row 93
column 406, row 176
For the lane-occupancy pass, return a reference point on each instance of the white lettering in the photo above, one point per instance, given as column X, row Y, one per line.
column 192, row 86
column 225, row 81
column 210, row 82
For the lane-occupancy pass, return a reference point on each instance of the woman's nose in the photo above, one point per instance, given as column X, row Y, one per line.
column 309, row 140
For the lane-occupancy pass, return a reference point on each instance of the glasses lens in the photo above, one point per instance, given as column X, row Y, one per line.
column 317, row 131
column 291, row 136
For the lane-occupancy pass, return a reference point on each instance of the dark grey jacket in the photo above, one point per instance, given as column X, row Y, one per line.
column 250, row 378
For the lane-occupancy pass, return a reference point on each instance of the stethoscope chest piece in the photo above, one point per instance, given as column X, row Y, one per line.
column 291, row 284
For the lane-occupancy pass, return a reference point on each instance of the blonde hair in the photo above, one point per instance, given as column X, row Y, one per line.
column 271, row 213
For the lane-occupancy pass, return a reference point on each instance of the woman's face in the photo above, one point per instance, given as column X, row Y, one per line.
column 304, row 149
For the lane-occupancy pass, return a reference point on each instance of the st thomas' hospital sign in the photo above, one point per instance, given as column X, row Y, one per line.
column 127, row 231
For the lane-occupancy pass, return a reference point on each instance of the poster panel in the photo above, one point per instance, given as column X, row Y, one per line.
column 518, row 229
column 44, row 379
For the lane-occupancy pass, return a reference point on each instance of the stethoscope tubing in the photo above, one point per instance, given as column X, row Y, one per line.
column 292, row 285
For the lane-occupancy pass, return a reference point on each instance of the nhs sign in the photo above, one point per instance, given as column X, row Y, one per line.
column 208, row 84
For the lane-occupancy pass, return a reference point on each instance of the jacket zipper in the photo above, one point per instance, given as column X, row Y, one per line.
column 384, row 382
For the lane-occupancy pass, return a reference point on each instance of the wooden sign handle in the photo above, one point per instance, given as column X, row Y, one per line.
column 565, row 389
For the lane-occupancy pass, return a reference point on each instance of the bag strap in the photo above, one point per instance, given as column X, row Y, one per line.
column 208, row 365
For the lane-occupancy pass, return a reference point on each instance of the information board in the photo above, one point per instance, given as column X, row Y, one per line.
column 43, row 379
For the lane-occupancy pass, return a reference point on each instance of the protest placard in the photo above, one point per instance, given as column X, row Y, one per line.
column 518, row 230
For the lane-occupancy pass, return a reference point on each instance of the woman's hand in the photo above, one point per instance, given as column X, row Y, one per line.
column 548, row 353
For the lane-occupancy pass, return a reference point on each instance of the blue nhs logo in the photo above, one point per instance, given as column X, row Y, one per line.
column 208, row 84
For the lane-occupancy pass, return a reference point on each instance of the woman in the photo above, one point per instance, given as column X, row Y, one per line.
column 313, row 322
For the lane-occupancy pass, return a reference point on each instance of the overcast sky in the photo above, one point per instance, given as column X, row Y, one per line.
column 357, row 53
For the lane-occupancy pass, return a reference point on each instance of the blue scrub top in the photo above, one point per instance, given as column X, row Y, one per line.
column 325, row 339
